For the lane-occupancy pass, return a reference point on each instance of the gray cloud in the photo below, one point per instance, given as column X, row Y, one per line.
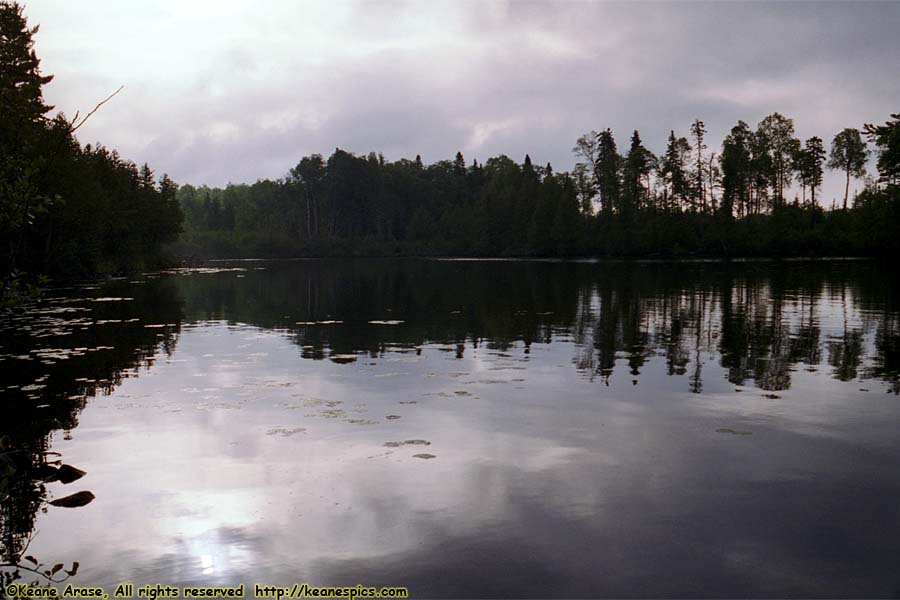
column 235, row 93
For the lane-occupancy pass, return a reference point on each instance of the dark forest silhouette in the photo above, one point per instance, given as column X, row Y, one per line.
column 66, row 209
column 687, row 202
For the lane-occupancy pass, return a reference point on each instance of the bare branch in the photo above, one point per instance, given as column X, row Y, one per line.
column 73, row 127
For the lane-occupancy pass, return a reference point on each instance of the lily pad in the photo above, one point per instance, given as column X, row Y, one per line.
column 407, row 443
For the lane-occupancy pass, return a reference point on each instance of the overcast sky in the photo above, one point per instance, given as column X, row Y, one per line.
column 219, row 92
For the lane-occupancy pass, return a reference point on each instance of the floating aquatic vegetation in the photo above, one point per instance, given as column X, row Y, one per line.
column 343, row 358
column 406, row 443
column 275, row 384
column 55, row 353
column 733, row 431
column 197, row 270
column 424, row 455
column 332, row 413
column 388, row 453
column 283, row 432
column 308, row 402
column 59, row 310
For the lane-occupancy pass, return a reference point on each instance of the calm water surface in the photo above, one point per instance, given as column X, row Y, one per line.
column 464, row 428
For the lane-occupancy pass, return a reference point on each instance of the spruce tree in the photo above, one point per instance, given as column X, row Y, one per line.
column 809, row 166
column 608, row 171
column 698, row 131
column 21, row 99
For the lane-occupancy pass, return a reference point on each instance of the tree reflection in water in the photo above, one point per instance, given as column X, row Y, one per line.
column 760, row 322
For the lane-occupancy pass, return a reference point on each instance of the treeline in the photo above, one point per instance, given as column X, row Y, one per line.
column 688, row 201
column 67, row 209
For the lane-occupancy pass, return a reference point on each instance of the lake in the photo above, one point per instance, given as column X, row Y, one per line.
column 463, row 428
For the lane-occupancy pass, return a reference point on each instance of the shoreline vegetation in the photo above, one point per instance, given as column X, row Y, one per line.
column 686, row 203
column 68, row 210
